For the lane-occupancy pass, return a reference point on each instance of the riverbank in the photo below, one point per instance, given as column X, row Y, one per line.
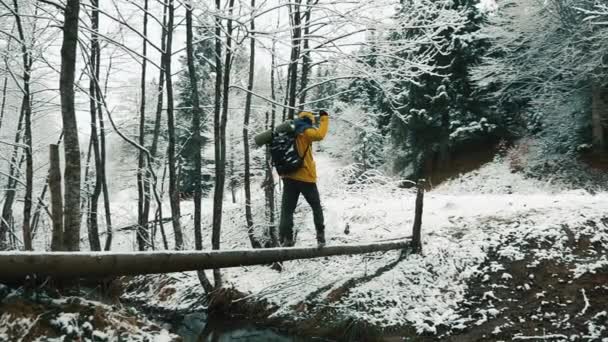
column 504, row 257
column 470, row 226
column 535, row 280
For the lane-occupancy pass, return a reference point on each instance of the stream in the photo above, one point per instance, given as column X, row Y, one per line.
column 197, row 327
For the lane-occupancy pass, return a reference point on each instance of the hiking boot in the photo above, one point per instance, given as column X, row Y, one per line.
column 287, row 243
column 321, row 239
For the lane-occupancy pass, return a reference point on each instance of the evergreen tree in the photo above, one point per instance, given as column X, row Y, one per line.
column 323, row 91
column 428, row 107
column 545, row 59
column 441, row 110
column 203, row 52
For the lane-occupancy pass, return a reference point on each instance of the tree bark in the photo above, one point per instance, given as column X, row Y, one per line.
column 70, row 127
column 270, row 185
column 142, row 189
column 416, row 229
column 102, row 170
column 220, row 172
column 11, row 191
column 156, row 134
column 296, row 41
column 195, row 139
column 56, row 200
column 36, row 217
column 85, row 180
column 306, row 58
column 101, row 264
column 173, row 187
column 27, row 135
column 269, row 189
column 92, row 222
column 247, row 180
column 196, row 143
column 3, row 104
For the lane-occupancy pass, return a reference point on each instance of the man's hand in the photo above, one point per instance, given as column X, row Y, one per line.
column 323, row 112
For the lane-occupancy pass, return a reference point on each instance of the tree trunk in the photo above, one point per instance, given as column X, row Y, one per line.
column 416, row 239
column 85, row 180
column 27, row 136
column 101, row 264
column 142, row 189
column 196, row 142
column 92, row 222
column 295, row 55
column 3, row 104
column 36, row 217
column 56, row 201
column 196, row 130
column 270, row 185
column 221, row 94
column 70, row 127
column 102, row 150
column 306, row 58
column 269, row 189
column 173, row 186
column 29, row 169
column 247, row 181
column 102, row 171
column 599, row 117
column 11, row 191
column 156, row 134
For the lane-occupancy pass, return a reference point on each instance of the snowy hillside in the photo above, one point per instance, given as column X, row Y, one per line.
column 467, row 235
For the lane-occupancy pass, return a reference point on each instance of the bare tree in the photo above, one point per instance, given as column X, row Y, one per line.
column 218, row 186
column 296, row 35
column 92, row 224
column 156, row 132
column 102, row 157
column 269, row 182
column 11, row 191
column 26, row 108
column 45, row 188
column 220, row 176
column 269, row 189
column 196, row 142
column 142, row 188
column 56, row 202
column 306, row 60
column 70, row 127
column 173, row 188
column 247, row 182
column 3, row 104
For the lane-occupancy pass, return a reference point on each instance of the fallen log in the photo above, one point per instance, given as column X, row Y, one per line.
column 16, row 265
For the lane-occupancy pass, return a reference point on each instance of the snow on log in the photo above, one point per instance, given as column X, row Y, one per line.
column 14, row 265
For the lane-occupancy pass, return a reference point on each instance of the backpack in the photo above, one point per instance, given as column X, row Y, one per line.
column 284, row 152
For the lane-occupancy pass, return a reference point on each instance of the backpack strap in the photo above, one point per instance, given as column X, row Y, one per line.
column 306, row 151
column 295, row 141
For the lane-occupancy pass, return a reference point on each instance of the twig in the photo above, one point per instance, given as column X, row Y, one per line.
column 586, row 303
column 544, row 337
column 29, row 329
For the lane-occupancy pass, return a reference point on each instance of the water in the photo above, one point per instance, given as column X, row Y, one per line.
column 197, row 327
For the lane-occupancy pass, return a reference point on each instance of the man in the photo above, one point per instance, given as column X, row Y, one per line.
column 304, row 180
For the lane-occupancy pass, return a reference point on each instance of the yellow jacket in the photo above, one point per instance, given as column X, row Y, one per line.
column 308, row 172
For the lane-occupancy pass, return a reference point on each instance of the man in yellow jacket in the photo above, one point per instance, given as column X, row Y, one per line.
column 304, row 180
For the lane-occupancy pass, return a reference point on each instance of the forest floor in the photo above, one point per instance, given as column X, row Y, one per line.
column 504, row 258
column 540, row 294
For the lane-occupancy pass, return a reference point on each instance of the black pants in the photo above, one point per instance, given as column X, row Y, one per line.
column 291, row 193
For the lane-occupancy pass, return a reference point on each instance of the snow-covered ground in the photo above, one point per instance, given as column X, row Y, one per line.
column 47, row 319
column 468, row 224
column 463, row 220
